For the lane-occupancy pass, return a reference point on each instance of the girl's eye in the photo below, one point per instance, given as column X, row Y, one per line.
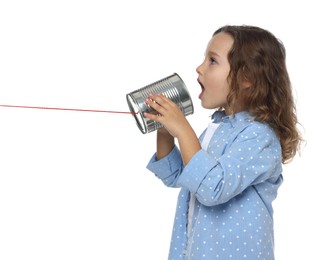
column 212, row 61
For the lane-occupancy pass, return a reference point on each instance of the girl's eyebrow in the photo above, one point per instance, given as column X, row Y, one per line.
column 212, row 53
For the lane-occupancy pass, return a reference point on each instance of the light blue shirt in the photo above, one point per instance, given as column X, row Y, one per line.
column 234, row 183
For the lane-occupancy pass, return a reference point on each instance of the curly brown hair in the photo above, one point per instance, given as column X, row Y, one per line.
column 259, row 58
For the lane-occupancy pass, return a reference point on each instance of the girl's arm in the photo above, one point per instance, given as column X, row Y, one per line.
column 165, row 143
column 176, row 125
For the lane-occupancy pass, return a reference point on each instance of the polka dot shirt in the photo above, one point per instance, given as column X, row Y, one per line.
column 234, row 183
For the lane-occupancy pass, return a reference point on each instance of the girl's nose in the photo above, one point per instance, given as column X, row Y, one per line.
column 198, row 69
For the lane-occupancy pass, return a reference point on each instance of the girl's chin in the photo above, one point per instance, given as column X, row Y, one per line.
column 205, row 105
column 203, row 99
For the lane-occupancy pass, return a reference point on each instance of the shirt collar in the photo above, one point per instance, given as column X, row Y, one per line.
column 220, row 116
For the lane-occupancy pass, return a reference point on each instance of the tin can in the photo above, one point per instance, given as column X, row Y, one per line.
column 172, row 87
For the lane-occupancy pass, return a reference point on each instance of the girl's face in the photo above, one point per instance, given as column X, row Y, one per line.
column 214, row 71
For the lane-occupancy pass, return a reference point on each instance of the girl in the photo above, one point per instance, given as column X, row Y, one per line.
column 230, row 175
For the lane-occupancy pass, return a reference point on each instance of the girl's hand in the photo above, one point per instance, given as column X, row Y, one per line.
column 175, row 124
column 169, row 114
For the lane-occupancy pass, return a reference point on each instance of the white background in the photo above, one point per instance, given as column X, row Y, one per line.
column 73, row 185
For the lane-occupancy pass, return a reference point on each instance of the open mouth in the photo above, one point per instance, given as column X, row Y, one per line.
column 202, row 88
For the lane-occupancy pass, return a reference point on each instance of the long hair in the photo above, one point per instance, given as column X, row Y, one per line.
column 259, row 58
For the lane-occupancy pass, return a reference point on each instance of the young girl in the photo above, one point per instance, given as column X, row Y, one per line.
column 230, row 175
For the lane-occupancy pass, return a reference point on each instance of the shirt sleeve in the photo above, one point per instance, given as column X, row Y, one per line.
column 253, row 157
column 169, row 168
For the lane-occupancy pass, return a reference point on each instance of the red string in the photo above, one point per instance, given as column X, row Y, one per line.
column 71, row 109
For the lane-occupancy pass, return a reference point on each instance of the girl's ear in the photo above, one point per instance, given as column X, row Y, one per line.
column 246, row 84
column 246, row 79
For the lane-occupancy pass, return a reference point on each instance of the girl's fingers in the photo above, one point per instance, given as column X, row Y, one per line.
column 153, row 117
column 161, row 99
column 155, row 105
column 162, row 105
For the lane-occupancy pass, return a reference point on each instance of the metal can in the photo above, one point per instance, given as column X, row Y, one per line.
column 172, row 87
